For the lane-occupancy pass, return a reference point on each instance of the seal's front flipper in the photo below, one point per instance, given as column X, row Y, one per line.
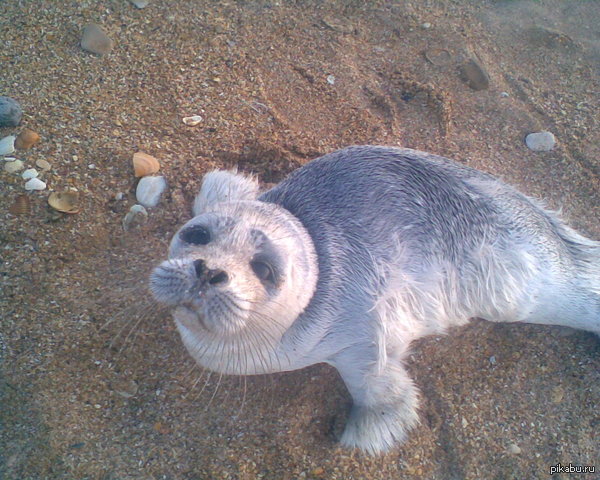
column 221, row 186
column 385, row 404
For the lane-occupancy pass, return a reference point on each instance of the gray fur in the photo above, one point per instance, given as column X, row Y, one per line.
column 408, row 244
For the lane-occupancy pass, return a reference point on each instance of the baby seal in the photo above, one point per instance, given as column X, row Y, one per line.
column 354, row 256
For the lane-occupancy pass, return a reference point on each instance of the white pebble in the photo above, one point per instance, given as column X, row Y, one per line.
column 426, row 25
column 14, row 166
column 35, row 184
column 92, row 166
column 540, row 141
column 136, row 216
column 149, row 190
column 514, row 449
column 7, row 145
column 331, row 79
column 29, row 173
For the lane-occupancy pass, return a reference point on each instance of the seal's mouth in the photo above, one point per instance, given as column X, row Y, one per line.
column 191, row 312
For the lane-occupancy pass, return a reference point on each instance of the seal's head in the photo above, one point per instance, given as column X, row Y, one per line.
column 239, row 273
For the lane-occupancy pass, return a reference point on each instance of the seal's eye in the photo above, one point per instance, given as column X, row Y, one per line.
column 263, row 271
column 196, row 235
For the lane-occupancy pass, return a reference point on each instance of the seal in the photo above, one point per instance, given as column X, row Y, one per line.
column 354, row 256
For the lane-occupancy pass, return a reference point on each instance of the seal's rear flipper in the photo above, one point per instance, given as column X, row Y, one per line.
column 222, row 186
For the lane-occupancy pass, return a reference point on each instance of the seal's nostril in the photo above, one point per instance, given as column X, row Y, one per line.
column 199, row 267
column 216, row 277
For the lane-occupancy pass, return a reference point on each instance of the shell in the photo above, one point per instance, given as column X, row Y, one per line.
column 144, row 164
column 21, row 205
column 26, row 139
column 7, row 145
column 43, row 164
column 35, row 184
column 66, row 202
column 192, row 121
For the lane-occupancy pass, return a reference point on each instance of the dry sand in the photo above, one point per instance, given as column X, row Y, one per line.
column 95, row 382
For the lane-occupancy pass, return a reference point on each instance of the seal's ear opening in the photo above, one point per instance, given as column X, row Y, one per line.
column 222, row 186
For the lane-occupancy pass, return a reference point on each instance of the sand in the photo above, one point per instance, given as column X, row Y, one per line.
column 95, row 381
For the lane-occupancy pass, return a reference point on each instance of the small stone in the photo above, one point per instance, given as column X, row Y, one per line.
column 540, row 141
column 30, row 173
column 35, row 184
column 43, row 164
column 493, row 360
column 473, row 74
column 331, row 79
column 140, row 3
column 426, row 25
column 149, row 191
column 92, row 166
column 26, row 139
column 10, row 112
column 514, row 449
column 558, row 393
column 136, row 217
column 504, row 94
column 95, row 40
column 14, row 166
column 464, row 422
column 7, row 145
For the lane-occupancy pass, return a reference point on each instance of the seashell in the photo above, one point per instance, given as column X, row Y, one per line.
column 140, row 3
column 29, row 173
column 149, row 190
column 66, row 202
column 43, row 164
column 144, row 164
column 35, row 184
column 193, row 120
column 438, row 56
column 7, row 145
column 21, row 205
column 26, row 139
column 14, row 166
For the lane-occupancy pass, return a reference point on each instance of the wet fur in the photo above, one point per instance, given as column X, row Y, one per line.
column 409, row 244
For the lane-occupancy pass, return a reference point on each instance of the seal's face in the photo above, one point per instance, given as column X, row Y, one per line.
column 236, row 279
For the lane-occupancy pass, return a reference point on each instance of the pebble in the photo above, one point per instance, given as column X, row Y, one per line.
column 540, row 141
column 7, row 145
column 43, row 164
column 35, row 184
column 140, row 3
column 514, row 449
column 14, row 166
column 331, row 79
column 26, row 139
column 136, row 216
column 426, row 25
column 474, row 75
column 149, row 190
column 30, row 173
column 95, row 40
column 10, row 112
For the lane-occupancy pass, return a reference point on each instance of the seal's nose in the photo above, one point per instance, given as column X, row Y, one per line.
column 199, row 267
column 214, row 277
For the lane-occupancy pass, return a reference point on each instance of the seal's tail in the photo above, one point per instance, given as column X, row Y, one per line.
column 570, row 296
